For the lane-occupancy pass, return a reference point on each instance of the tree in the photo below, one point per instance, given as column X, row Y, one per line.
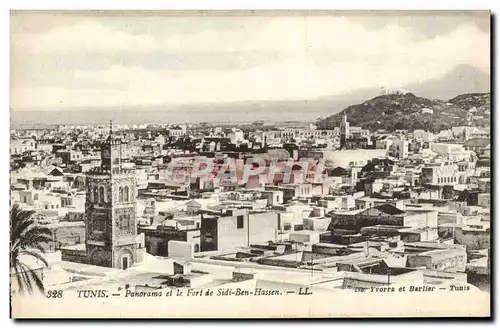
column 27, row 239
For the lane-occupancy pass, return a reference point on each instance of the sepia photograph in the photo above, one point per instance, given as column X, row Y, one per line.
column 250, row 164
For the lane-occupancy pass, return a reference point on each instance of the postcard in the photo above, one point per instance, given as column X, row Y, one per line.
column 250, row 164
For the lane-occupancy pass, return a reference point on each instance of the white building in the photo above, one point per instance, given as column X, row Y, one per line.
column 21, row 145
column 454, row 152
column 425, row 136
column 236, row 136
column 399, row 148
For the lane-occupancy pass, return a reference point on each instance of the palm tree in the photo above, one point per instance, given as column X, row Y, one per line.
column 26, row 239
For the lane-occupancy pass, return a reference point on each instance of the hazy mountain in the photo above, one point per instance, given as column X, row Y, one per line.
column 462, row 80
column 408, row 111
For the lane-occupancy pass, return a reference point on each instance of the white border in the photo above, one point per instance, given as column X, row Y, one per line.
column 193, row 5
column 256, row 4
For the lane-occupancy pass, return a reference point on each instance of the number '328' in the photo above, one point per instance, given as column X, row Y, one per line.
column 54, row 294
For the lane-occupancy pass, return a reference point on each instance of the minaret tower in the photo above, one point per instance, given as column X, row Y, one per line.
column 344, row 131
column 110, row 210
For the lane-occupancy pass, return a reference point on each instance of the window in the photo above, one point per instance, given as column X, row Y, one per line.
column 126, row 194
column 95, row 195
column 239, row 221
column 35, row 197
column 98, row 224
column 124, row 223
column 101, row 194
column 287, row 226
column 120, row 194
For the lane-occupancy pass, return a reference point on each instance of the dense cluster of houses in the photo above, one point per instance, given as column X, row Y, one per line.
column 390, row 207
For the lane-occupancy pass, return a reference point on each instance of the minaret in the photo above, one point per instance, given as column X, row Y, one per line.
column 110, row 210
column 344, row 131
column 111, row 153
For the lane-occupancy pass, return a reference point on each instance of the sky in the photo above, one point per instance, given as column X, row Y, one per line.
column 63, row 60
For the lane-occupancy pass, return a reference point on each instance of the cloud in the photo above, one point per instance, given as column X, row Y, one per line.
column 86, row 36
column 296, row 57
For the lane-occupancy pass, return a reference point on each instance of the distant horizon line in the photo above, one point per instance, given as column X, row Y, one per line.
column 156, row 107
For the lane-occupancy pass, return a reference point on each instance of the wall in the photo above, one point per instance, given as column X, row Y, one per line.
column 263, row 227
column 421, row 219
column 318, row 224
column 124, row 251
column 441, row 260
column 484, row 199
column 320, row 189
column 180, row 249
column 473, row 239
column 357, row 279
column 356, row 222
column 157, row 240
column 288, row 219
column 305, row 237
column 99, row 256
column 229, row 236
column 274, row 197
column 208, row 234
column 77, row 256
column 449, row 217
column 399, row 149
column 68, row 236
column 257, row 228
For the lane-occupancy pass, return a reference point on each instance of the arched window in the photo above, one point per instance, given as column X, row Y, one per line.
column 120, row 194
column 101, row 194
column 126, row 194
column 95, row 198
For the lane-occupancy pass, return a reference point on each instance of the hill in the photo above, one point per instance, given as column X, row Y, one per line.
column 408, row 111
